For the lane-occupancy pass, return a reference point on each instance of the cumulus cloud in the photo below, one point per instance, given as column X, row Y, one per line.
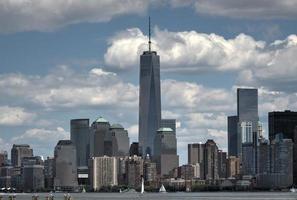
column 252, row 9
column 46, row 15
column 13, row 116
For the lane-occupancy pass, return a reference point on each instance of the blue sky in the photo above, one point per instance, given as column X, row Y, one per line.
column 73, row 59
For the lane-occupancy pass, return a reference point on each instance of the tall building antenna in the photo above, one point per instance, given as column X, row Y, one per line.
column 149, row 34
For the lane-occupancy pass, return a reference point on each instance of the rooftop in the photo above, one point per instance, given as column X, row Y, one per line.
column 117, row 126
column 165, row 130
column 101, row 120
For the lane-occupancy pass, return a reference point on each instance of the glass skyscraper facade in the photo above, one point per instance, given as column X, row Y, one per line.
column 149, row 101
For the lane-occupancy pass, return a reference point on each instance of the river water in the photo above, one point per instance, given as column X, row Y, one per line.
column 168, row 196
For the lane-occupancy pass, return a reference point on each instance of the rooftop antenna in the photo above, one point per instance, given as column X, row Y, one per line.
column 149, row 34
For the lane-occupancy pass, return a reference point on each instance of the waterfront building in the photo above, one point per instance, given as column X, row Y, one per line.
column 149, row 172
column 211, row 161
column 233, row 136
column 18, row 152
column 5, row 176
column 134, row 171
column 165, row 151
column 3, row 158
column 222, row 164
column 285, row 122
column 80, row 137
column 196, row 155
column 103, row 172
column 149, row 100
column 186, row 172
column 263, row 157
column 49, row 170
column 65, row 166
column 33, row 177
column 233, row 167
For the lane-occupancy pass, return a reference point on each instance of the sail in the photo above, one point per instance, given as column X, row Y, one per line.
column 162, row 189
column 142, row 186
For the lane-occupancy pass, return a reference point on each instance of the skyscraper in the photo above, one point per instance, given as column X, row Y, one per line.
column 211, row 161
column 120, row 140
column 222, row 164
column 196, row 155
column 18, row 152
column 233, row 135
column 247, row 112
column 169, row 123
column 65, row 166
column 165, row 151
column 149, row 100
column 80, row 136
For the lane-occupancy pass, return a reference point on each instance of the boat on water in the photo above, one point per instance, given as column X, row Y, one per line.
column 162, row 189
column 293, row 190
column 142, row 186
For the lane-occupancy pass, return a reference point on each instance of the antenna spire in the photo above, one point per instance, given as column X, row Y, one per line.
column 149, row 42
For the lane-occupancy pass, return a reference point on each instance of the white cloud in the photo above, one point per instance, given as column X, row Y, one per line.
column 46, row 15
column 252, row 9
column 13, row 116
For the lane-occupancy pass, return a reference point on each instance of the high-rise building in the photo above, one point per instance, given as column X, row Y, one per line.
column 134, row 171
column 101, row 141
column 65, row 166
column 33, row 177
column 149, row 171
column 286, row 123
column 18, row 152
column 186, row 172
column 120, row 140
column 80, row 136
column 222, row 164
column 165, row 152
column 247, row 112
column 233, row 167
column 263, row 157
column 233, row 135
column 103, row 172
column 49, row 170
column 169, row 123
column 3, row 158
column 211, row 161
column 149, row 100
column 196, row 155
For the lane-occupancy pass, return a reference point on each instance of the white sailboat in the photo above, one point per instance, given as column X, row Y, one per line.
column 293, row 190
column 142, row 186
column 162, row 189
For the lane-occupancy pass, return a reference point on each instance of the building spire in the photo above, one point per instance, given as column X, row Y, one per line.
column 149, row 42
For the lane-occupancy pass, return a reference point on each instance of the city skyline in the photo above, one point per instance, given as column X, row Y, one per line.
column 52, row 71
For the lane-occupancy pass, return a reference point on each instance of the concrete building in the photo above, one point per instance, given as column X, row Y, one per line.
column 134, row 149
column 186, row 172
column 169, row 123
column 19, row 151
column 33, row 177
column 80, row 137
column 233, row 137
column 263, row 157
column 285, row 122
column 196, row 155
column 233, row 167
column 211, row 161
column 65, row 166
column 134, row 171
column 149, row 172
column 222, row 164
column 3, row 158
column 120, row 140
column 165, row 151
column 49, row 170
column 103, row 172
column 149, row 100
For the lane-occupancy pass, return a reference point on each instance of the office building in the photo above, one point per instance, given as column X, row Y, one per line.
column 165, row 151
column 80, row 137
column 233, row 135
column 196, row 155
column 149, row 100
column 65, row 166
column 33, row 177
column 233, row 167
column 120, row 140
column 222, row 164
column 134, row 149
column 49, row 170
column 211, row 161
column 186, row 172
column 263, row 157
column 285, row 122
column 19, row 151
column 169, row 123
column 134, row 171
column 101, row 140
column 103, row 172
column 149, row 172
column 3, row 158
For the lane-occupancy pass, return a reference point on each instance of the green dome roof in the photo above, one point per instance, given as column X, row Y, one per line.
column 101, row 120
column 165, row 130
column 117, row 126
